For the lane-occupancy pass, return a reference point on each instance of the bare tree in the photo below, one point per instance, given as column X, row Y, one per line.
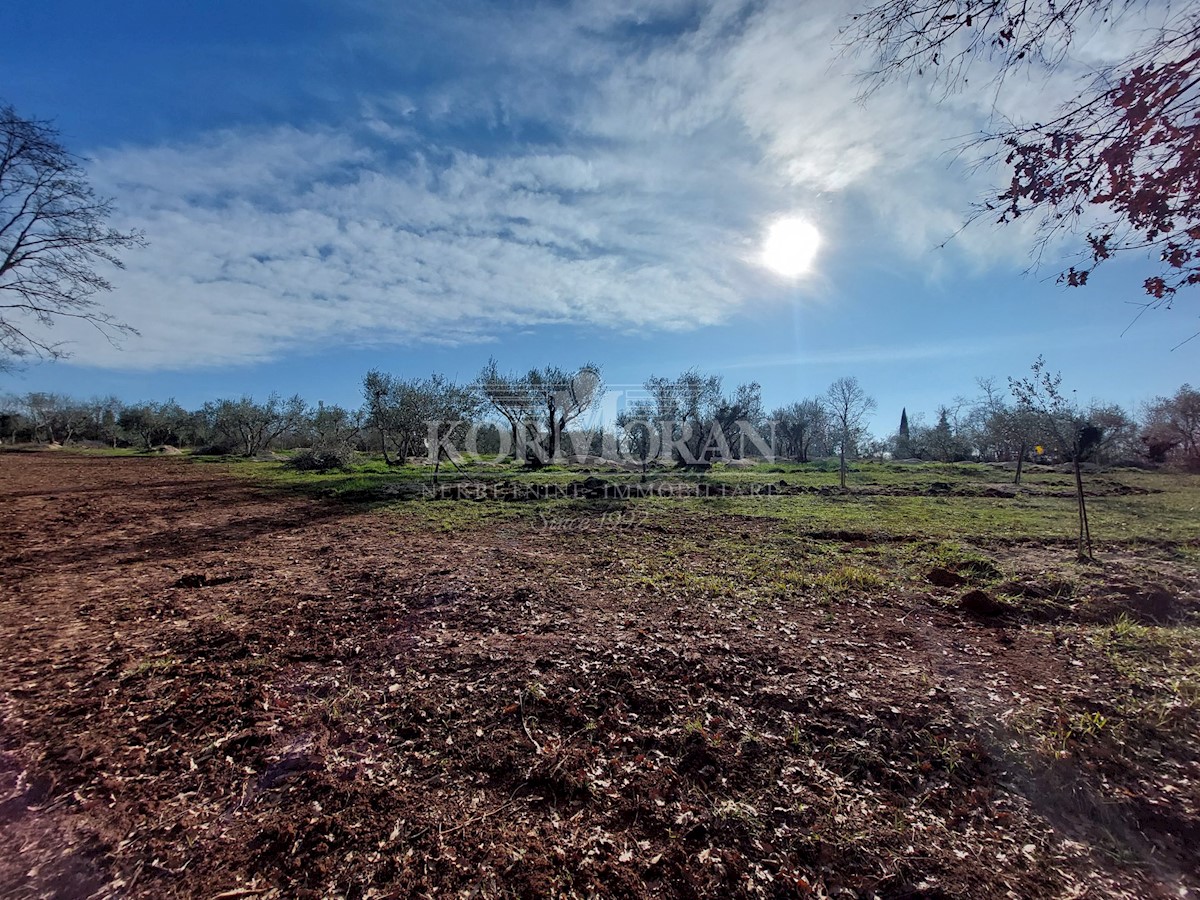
column 847, row 405
column 1120, row 154
column 1172, row 427
column 53, row 238
column 1067, row 428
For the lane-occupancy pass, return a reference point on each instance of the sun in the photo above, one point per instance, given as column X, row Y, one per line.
column 791, row 247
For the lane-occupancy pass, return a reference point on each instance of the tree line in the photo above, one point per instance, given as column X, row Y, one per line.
column 549, row 414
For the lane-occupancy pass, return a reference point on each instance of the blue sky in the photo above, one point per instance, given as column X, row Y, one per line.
column 417, row 186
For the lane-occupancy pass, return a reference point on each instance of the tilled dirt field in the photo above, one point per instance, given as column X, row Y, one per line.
column 212, row 691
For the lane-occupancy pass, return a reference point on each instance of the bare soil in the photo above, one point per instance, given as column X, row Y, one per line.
column 211, row 690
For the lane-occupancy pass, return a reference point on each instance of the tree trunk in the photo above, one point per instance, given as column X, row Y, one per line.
column 842, row 461
column 517, row 447
column 1020, row 463
column 383, row 447
column 556, row 430
column 1085, row 534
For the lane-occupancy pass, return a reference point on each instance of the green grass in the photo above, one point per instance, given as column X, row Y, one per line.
column 1160, row 665
column 1170, row 513
column 798, row 548
column 107, row 451
column 158, row 665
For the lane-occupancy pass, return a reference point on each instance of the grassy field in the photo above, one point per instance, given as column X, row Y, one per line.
column 930, row 500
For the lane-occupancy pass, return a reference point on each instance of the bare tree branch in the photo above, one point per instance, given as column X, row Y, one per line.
column 1118, row 168
column 53, row 235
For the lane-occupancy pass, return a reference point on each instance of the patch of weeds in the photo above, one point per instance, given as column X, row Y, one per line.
column 158, row 665
column 697, row 727
column 942, row 751
column 450, row 516
column 1075, row 729
column 749, row 739
column 535, row 690
column 256, row 663
column 1164, row 663
column 846, row 578
column 790, row 582
column 735, row 811
column 1084, row 725
column 1126, row 634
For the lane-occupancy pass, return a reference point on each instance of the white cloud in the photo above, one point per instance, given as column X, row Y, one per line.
column 666, row 156
column 266, row 241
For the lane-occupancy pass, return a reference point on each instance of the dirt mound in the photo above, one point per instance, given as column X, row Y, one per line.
column 1146, row 604
column 944, row 578
column 980, row 603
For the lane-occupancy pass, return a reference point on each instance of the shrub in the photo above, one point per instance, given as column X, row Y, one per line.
column 213, row 450
column 323, row 459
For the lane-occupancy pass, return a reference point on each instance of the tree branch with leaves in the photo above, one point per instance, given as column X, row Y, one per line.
column 1118, row 166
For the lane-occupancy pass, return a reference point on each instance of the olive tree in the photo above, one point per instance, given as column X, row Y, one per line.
column 642, row 432
column 539, row 405
column 509, row 394
column 800, row 426
column 394, row 410
column 685, row 408
column 561, row 398
column 253, row 427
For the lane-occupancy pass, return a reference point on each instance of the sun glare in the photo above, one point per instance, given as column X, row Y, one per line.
column 790, row 247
